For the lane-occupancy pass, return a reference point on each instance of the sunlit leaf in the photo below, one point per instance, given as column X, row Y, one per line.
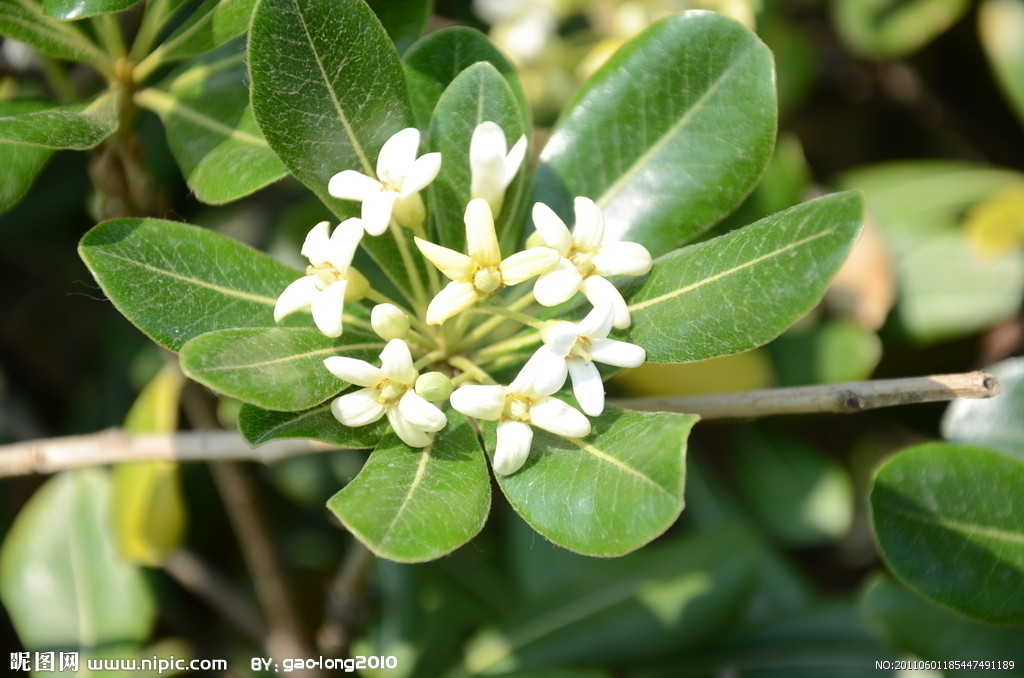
column 945, row 521
column 742, row 289
column 80, row 9
column 412, row 505
column 211, row 25
column 893, row 28
column 1001, row 27
column 79, row 126
column 24, row 20
column 19, row 163
column 259, row 426
column 991, row 422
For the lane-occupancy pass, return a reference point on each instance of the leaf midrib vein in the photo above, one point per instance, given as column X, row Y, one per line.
column 295, row 356
column 618, row 463
column 421, row 470
column 968, row 529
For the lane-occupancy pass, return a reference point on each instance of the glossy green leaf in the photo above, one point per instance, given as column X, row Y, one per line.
column 404, row 20
column 908, row 622
column 797, row 493
column 991, row 422
column 259, row 426
column 412, row 505
column 945, row 521
column 623, row 482
column 670, row 134
column 434, row 62
column 893, row 28
column 1000, row 26
column 742, row 289
column 76, row 127
column 19, row 163
column 24, row 20
column 211, row 25
column 328, row 92
column 948, row 289
column 61, row 580
column 277, row 368
column 212, row 132
column 478, row 94
column 658, row 601
column 80, row 9
column 175, row 281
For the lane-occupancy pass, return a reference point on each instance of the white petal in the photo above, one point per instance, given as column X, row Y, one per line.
column 343, row 243
column 599, row 291
column 551, row 228
column 487, row 164
column 455, row 265
column 557, row 285
column 528, row 263
column 396, row 362
column 481, row 240
column 327, row 308
column 617, row 353
column 352, row 185
column 514, row 159
column 398, row 153
column 512, row 448
column 623, row 258
column 588, row 232
column 316, row 244
column 598, row 323
column 543, row 374
column 559, row 418
column 479, row 401
column 296, row 296
column 488, row 141
column 377, row 210
column 453, row 299
column 422, row 172
column 358, row 408
column 587, row 386
column 410, row 435
column 420, row 413
column 354, row 371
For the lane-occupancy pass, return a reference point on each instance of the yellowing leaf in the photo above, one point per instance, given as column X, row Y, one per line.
column 996, row 226
column 741, row 372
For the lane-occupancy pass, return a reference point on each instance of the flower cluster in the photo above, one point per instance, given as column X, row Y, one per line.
column 440, row 331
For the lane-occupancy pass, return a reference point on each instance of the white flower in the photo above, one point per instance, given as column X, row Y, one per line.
column 482, row 272
column 492, row 166
column 395, row 191
column 330, row 280
column 388, row 390
column 572, row 348
column 517, row 407
column 587, row 256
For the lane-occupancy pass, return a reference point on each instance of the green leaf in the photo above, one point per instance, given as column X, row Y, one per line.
column 404, row 20
column 742, row 289
column 797, row 493
column 670, row 134
column 19, row 163
column 945, row 523
column 434, row 62
column 80, row 9
column 991, row 422
column 211, row 25
column 212, row 132
column 412, row 505
column 1000, row 25
column 277, row 368
column 892, row 28
column 60, row 578
column 24, row 20
column 478, row 94
column 661, row 600
column 78, row 127
column 831, row 352
column 913, row 625
column 259, row 426
column 328, row 92
column 623, row 482
column 174, row 281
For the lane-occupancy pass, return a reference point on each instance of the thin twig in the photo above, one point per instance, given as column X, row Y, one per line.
column 114, row 446
column 847, row 398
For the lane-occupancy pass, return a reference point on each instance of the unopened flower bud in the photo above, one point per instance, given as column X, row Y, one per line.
column 389, row 321
column 434, row 386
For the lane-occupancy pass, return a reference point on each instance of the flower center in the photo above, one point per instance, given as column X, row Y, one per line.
column 581, row 349
column 390, row 391
column 326, row 274
column 583, row 261
column 487, row 280
column 517, row 408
